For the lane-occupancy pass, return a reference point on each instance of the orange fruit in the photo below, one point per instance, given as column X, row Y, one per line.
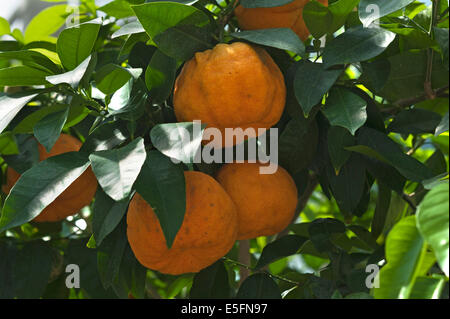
column 265, row 203
column 287, row 16
column 231, row 86
column 78, row 195
column 208, row 231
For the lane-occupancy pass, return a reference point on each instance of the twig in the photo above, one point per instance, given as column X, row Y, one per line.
column 244, row 258
column 411, row 101
column 408, row 200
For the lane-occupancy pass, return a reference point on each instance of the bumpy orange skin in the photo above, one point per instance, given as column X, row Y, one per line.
column 78, row 195
column 231, row 86
column 208, row 231
column 288, row 16
column 266, row 204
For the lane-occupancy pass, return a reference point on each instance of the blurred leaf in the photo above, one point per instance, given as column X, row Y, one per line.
column 428, row 288
column 381, row 210
column 47, row 22
column 159, row 182
column 8, row 145
column 442, row 38
column 48, row 129
column 211, row 283
column 117, row 169
column 433, row 223
column 285, row 246
column 28, row 154
column 320, row 231
column 280, row 38
column 39, row 186
column 4, row 26
column 405, row 250
column 443, row 126
column 258, row 286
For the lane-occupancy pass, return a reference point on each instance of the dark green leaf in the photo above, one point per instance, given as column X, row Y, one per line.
column 160, row 76
column 320, row 231
column 259, row 286
column 211, row 283
column 415, row 121
column 285, row 246
column 105, row 137
column 32, row 59
column 159, row 182
column 441, row 36
column 381, row 210
column 48, row 129
column 338, row 139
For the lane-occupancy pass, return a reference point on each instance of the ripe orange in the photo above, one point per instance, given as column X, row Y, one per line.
column 231, row 86
column 75, row 197
column 265, row 203
column 208, row 231
column 288, row 16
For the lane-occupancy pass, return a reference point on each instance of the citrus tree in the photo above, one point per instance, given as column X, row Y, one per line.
column 116, row 178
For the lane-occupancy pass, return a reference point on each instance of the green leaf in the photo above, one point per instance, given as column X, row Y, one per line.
column 105, row 137
column 22, row 76
column 441, row 36
column 211, row 283
column 318, row 18
column 32, row 59
column 428, row 287
column 443, row 125
column 118, row 8
column 160, row 76
column 259, row 286
column 280, row 38
column 107, row 214
column 32, row 270
column 311, row 83
column 346, row 109
column 10, row 105
column 178, row 141
column 47, row 22
column 4, row 26
column 129, row 28
column 405, row 250
column 415, row 121
column 356, row 45
column 39, row 186
column 117, row 170
column 110, row 254
column 338, row 139
column 433, row 223
column 371, row 10
column 75, row 44
column 264, row 3
column 285, row 246
column 48, row 129
column 28, row 154
column 181, row 42
column 157, row 17
column 129, row 101
column 159, row 182
column 320, row 231
column 112, row 77
column 74, row 77
column 8, row 145
column 391, row 153
column 381, row 210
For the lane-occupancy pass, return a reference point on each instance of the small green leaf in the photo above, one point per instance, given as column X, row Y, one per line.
column 338, row 139
column 73, row 78
column 4, row 26
column 346, row 109
column 48, row 129
column 117, row 170
column 8, row 145
column 160, row 76
column 112, row 77
column 47, row 22
column 10, row 105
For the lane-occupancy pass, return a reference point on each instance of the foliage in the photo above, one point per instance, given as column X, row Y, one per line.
column 364, row 134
